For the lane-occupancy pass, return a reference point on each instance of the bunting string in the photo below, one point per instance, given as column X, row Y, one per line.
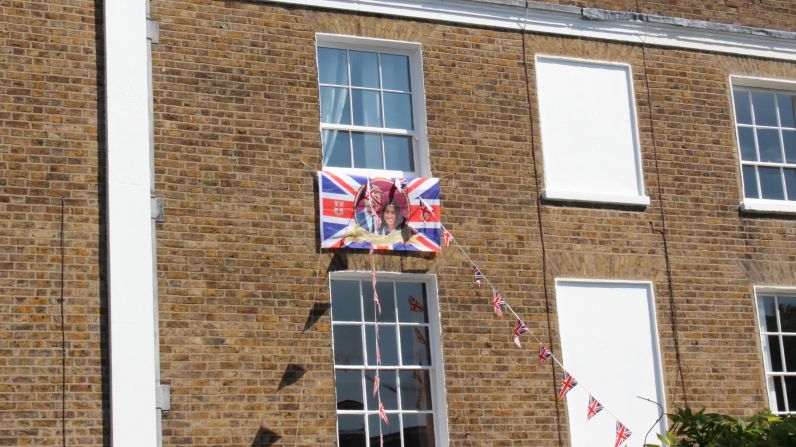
column 377, row 379
column 500, row 304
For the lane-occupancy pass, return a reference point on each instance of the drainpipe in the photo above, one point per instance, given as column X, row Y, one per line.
column 135, row 416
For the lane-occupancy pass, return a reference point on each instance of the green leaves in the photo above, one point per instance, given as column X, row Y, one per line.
column 701, row 429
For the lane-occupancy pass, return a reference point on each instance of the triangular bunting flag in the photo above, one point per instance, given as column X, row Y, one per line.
column 622, row 433
column 567, row 383
column 520, row 329
column 383, row 414
column 477, row 276
column 544, row 354
column 446, row 238
column 376, row 381
column 594, row 408
column 498, row 303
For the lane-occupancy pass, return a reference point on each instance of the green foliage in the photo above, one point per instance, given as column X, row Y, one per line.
column 700, row 429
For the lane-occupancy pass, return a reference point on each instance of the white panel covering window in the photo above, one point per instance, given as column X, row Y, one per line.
column 765, row 120
column 372, row 106
column 589, row 132
column 609, row 341
column 411, row 376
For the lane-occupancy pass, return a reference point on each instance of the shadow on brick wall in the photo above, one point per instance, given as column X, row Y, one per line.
column 265, row 437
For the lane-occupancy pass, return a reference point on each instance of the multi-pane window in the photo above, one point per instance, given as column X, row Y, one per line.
column 369, row 109
column 410, row 375
column 766, row 124
column 777, row 314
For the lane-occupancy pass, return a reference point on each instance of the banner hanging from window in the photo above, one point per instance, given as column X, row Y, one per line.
column 382, row 213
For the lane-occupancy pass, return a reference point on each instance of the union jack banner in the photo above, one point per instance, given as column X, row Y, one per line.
column 358, row 212
column 477, row 276
column 415, row 305
column 520, row 329
column 498, row 302
column 383, row 414
column 544, row 354
column 567, row 383
column 594, row 408
column 622, row 433
column 446, row 238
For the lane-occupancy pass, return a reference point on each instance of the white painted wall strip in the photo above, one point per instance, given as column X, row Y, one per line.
column 132, row 316
column 571, row 22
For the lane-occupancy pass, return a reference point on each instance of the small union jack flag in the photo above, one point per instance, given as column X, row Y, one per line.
column 446, row 238
column 594, row 408
column 498, row 302
column 567, row 383
column 376, row 381
column 401, row 183
column 520, row 329
column 415, row 305
column 383, row 414
column 544, row 354
column 622, row 433
column 378, row 351
column 477, row 276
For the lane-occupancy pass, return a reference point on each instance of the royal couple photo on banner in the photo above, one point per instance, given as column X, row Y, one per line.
column 384, row 216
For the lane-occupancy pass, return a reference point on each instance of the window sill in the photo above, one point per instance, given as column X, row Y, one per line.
column 764, row 206
column 583, row 197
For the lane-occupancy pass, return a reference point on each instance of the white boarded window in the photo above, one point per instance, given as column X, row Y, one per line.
column 589, row 132
column 609, row 342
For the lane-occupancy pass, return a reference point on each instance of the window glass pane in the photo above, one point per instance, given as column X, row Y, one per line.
column 367, row 150
column 336, row 149
column 415, row 390
column 351, row 430
column 743, row 111
column 779, row 392
column 387, row 298
column 345, row 301
column 789, row 346
column 746, row 138
column 414, row 345
column 790, row 391
column 395, row 72
column 391, row 433
column 387, row 344
column 398, row 111
column 790, row 183
column 768, row 142
column 332, row 66
column 334, row 106
column 764, row 108
column 750, row 182
column 347, row 345
column 367, row 108
column 771, row 183
column 348, row 384
column 418, row 430
column 398, row 153
column 786, row 110
column 769, row 313
column 787, row 313
column 411, row 294
column 776, row 353
column 364, row 69
column 388, row 389
column 789, row 139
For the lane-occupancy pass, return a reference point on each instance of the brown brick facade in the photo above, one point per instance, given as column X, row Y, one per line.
column 237, row 142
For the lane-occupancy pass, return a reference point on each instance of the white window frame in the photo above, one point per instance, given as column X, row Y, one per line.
column 751, row 204
column 419, row 135
column 767, row 373
column 654, row 333
column 437, row 375
column 638, row 199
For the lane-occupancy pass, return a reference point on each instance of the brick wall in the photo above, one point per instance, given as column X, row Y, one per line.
column 236, row 118
column 49, row 150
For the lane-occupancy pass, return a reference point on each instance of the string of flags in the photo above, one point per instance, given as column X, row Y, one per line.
column 568, row 382
column 499, row 305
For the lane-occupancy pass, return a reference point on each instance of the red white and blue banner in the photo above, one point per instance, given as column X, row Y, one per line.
column 405, row 216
